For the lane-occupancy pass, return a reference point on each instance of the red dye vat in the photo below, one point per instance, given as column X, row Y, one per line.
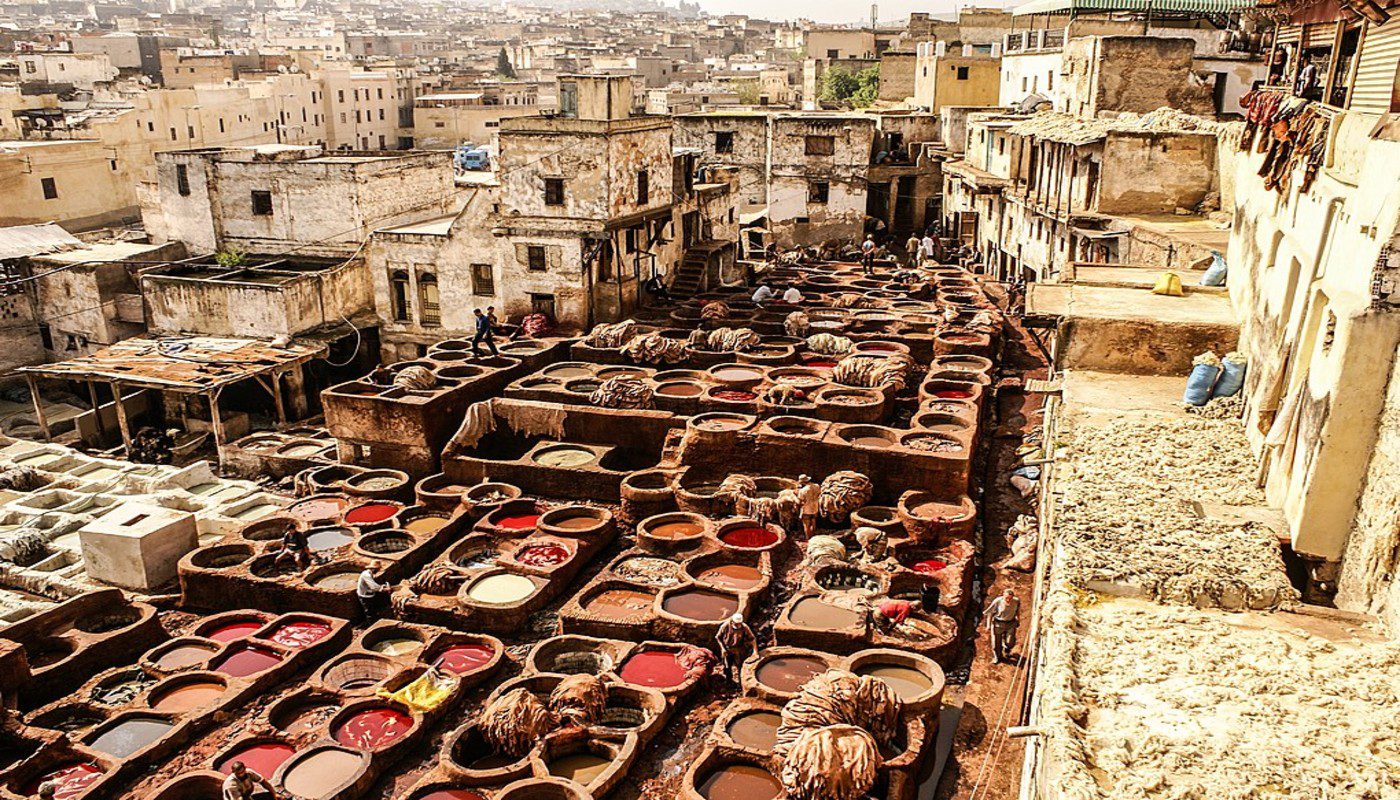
column 752, row 536
column 518, row 522
column 370, row 513
column 542, row 555
column 70, row 780
column 248, row 660
column 451, row 794
column 234, row 630
column 263, row 758
column 463, row 658
column 928, row 566
column 950, row 394
column 734, row 395
column 301, row 633
column 883, row 347
column 655, row 668
column 820, row 363
column 374, row 727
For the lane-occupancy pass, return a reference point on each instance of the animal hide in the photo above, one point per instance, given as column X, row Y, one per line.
column 514, row 722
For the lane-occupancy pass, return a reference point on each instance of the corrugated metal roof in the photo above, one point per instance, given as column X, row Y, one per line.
column 1090, row 6
column 23, row 241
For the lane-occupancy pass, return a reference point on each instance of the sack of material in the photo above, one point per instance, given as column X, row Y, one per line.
column 1232, row 369
column 1169, row 284
column 1203, row 375
column 1216, row 272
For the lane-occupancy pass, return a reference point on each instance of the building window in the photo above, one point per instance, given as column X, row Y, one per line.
column 429, row 309
column 262, row 203
column 820, row 146
column 535, row 258
column 962, row 73
column 340, row 95
column 173, row 135
column 832, row 55
column 114, row 165
column 483, row 280
column 31, row 67
column 381, row 94
column 542, row 304
column 182, row 180
column 398, row 295
column 643, row 188
column 554, row 191
column 818, row 191
column 724, row 141
column 50, row 188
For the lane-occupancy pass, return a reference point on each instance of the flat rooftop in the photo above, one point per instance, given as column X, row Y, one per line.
column 1127, row 303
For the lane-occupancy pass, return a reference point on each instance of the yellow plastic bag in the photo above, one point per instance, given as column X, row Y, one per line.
column 1169, row 284
column 425, row 693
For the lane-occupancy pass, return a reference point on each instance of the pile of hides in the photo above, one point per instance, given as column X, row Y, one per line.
column 609, row 336
column 784, row 394
column 437, row 579
column 823, row 547
column 696, row 661
column 1025, row 535
column 533, row 419
column 479, row 421
column 514, row 722
column 579, row 700
column 21, row 479
column 853, row 300
column 874, row 373
column 535, row 325
column 829, row 736
column 653, row 348
column 829, row 344
column 714, row 311
column 623, row 392
column 838, row 762
column 873, row 543
column 783, row 509
column 415, row 377
column 725, row 340
column 844, row 492
column 797, row 324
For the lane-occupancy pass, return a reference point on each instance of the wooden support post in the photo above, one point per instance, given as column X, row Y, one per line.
column 96, row 409
column 276, row 389
column 38, row 401
column 216, row 418
column 122, row 421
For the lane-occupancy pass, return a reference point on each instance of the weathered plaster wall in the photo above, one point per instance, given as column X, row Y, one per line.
column 1151, row 173
column 1132, row 73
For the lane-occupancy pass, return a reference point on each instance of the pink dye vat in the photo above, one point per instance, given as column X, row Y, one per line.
column 656, row 668
column 753, row 536
column 263, row 758
column 248, row 660
column 928, row 566
column 234, row 630
column 371, row 513
column 70, row 779
column 463, row 658
column 542, row 555
column 373, row 728
column 734, row 395
column 301, row 633
column 820, row 363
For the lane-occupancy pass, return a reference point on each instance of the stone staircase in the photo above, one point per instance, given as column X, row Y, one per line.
column 690, row 274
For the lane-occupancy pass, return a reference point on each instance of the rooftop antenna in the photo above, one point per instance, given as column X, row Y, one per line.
column 874, row 15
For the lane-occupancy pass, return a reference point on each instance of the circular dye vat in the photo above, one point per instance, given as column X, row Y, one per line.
column 183, row 656
column 820, row 363
column 321, row 773
column 578, row 522
column 813, row 612
column 370, row 513
column 737, row 374
column 263, row 758
column 247, row 660
column 542, row 555
column 337, row 581
column 187, row 696
column 130, row 736
column 308, row 717
column 655, row 668
column 581, row 768
column 733, row 395
column 952, row 394
column 871, row 441
column 701, row 605
column 732, row 576
column 328, row 539
column 396, row 645
column 460, row 659
column 516, row 522
column 788, row 673
column 756, row 729
column 299, row 633
column 501, row 589
column 928, row 566
column 318, row 509
column 234, row 630
column 373, row 728
column 69, row 780
column 619, row 603
column 749, row 536
column 566, row 457
column 450, row 794
column 649, row 570
column 740, row 782
column 425, row 524
column 679, row 389
column 675, row 530
column 906, row 682
column 569, row 371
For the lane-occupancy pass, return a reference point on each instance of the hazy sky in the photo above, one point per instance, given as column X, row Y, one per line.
column 841, row 10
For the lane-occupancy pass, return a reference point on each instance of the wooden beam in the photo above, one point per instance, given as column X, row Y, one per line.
column 38, row 401
column 122, row 421
column 96, row 409
column 276, row 390
column 216, row 418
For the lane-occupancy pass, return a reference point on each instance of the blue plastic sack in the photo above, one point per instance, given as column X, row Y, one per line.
column 1199, row 384
column 1231, row 379
column 1216, row 272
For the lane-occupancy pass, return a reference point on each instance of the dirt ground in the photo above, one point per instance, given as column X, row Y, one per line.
column 984, row 762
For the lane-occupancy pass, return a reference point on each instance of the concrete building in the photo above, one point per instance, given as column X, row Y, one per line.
column 962, row 77
column 71, row 70
column 76, row 182
column 445, row 120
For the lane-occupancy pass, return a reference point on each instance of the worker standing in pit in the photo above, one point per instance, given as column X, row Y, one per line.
column 736, row 642
column 809, row 495
column 1003, row 617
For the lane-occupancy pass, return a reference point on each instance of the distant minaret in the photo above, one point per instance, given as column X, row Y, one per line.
column 874, row 15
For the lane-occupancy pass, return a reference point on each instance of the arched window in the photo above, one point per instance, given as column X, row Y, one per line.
column 430, row 311
column 398, row 296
